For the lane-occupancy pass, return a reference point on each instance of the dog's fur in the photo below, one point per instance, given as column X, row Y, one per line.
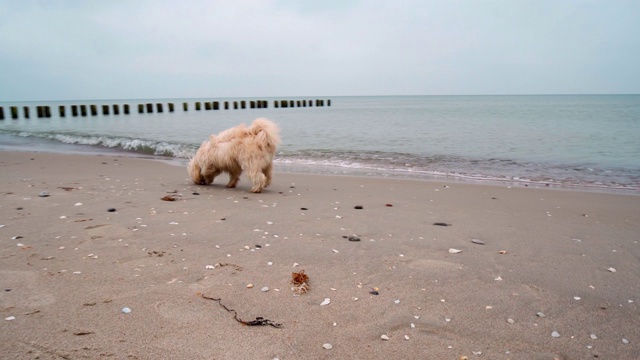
column 251, row 149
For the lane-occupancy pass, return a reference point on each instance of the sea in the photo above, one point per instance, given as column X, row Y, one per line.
column 582, row 142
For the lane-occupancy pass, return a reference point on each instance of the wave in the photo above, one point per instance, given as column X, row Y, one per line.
column 135, row 145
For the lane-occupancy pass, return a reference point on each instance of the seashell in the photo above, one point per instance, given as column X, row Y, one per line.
column 384, row 337
column 326, row 301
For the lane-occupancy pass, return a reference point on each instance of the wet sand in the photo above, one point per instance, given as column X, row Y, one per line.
column 552, row 261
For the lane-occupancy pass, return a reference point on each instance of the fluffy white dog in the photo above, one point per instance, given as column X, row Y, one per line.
column 251, row 149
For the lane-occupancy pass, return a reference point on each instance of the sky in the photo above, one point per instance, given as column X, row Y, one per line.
column 138, row 49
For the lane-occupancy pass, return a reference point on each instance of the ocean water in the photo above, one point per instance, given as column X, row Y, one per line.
column 567, row 141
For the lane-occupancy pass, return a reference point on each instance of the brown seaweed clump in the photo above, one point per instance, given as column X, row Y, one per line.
column 300, row 282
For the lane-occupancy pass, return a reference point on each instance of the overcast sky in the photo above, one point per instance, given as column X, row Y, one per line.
column 130, row 49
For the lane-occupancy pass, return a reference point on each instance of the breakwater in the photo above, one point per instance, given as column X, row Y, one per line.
column 45, row 111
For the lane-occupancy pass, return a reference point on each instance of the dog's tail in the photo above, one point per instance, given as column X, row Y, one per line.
column 266, row 133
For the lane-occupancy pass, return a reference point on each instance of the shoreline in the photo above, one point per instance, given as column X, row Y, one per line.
column 532, row 264
column 329, row 170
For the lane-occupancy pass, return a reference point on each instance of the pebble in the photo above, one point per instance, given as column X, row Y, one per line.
column 611, row 269
column 454, row 251
column 327, row 346
column 511, row 321
column 540, row 314
column 126, row 310
column 625, row 341
column 10, row 318
column 576, row 297
column 384, row 337
column 477, row 241
column 209, row 267
column 397, row 301
column 264, row 289
column 354, row 238
column 111, row 209
column 593, row 337
column 43, row 194
column 555, row 334
column 358, row 207
column 249, row 286
column 326, row 301
column 78, row 204
column 406, row 337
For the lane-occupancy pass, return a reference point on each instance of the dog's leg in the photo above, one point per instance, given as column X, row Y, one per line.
column 268, row 174
column 258, row 179
column 234, row 177
column 208, row 176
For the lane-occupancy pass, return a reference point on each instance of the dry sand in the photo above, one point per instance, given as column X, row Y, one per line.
column 69, row 266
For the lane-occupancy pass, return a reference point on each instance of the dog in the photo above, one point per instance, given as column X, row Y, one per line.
column 235, row 150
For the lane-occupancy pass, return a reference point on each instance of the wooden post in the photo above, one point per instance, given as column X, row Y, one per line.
column 74, row 110
column 185, row 106
column 83, row 110
column 149, row 108
column 284, row 103
column 275, row 103
column 252, row 104
column 105, row 109
column 235, row 105
column 226, row 105
column 310, row 103
column 61, row 110
column 207, row 105
column 159, row 107
column 304, row 103
column 298, row 104
column 26, row 112
column 198, row 105
column 170, row 105
column 94, row 110
column 1, row 113
column 14, row 112
column 328, row 102
column 265, row 104
column 140, row 108
column 126, row 109
column 216, row 105
column 40, row 111
column 243, row 104
column 116, row 109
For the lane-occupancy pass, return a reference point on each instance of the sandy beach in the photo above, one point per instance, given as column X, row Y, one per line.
column 440, row 270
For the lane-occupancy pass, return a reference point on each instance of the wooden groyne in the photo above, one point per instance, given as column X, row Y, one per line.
column 44, row 111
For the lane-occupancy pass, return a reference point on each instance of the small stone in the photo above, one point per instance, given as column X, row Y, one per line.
column 358, row 207
column 10, row 318
column 43, row 194
column 454, row 251
column 111, row 209
column 406, row 337
column 477, row 241
column 576, row 297
column 196, row 193
column 78, row 204
column 249, row 286
column 498, row 278
column 209, row 267
column 354, row 238
column 384, row 337
column 326, row 301
column 126, row 310
column 327, row 346
column 625, row 341
column 593, row 337
column 397, row 301
column 335, row 251
column 502, row 252
column 611, row 269
column 511, row 321
column 441, row 224
column 264, row 289
column 540, row 314
column 555, row 334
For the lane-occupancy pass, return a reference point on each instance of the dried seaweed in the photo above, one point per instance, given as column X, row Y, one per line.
column 259, row 321
column 300, row 282
column 168, row 198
